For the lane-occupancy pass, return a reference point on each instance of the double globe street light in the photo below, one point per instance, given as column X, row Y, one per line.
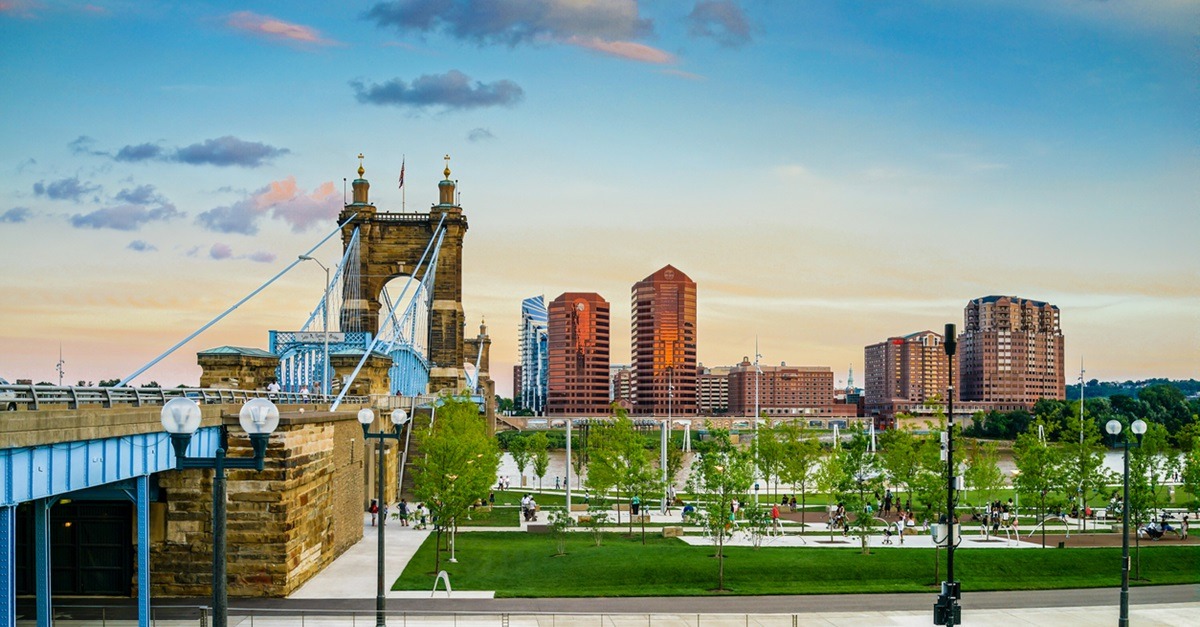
column 365, row 417
column 1113, row 427
column 181, row 417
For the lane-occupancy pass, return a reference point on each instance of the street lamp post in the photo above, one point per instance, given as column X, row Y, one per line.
column 366, row 417
column 1113, row 427
column 325, row 382
column 947, row 611
column 181, row 417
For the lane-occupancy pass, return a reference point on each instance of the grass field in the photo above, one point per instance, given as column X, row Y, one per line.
column 524, row 565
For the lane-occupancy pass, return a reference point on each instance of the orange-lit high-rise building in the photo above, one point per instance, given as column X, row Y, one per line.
column 663, row 338
column 578, row 378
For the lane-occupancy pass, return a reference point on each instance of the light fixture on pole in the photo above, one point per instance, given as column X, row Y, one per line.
column 325, row 382
column 181, row 417
column 947, row 611
column 365, row 418
column 1113, row 427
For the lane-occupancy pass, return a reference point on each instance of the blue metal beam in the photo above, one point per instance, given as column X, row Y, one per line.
column 143, row 551
column 39, row 472
column 41, row 560
column 8, row 566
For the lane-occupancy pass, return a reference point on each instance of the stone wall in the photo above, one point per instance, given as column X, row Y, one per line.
column 284, row 524
column 237, row 372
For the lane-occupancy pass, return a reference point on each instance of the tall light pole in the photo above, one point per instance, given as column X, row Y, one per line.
column 181, row 417
column 325, row 383
column 365, row 418
column 1082, row 500
column 947, row 611
column 1113, row 427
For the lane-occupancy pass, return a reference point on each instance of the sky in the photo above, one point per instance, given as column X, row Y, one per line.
column 829, row 173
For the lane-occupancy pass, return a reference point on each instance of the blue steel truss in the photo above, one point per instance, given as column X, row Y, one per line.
column 402, row 333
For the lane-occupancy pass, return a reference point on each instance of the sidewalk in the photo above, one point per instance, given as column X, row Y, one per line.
column 354, row 575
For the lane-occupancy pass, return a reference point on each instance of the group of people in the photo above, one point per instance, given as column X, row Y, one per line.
column 1156, row 529
column 419, row 515
column 529, row 508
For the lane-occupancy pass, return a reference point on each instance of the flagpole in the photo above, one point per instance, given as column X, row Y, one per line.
column 403, row 192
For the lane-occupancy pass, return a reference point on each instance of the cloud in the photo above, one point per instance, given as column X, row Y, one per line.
column 141, row 195
column 452, row 90
column 261, row 256
column 82, row 145
column 65, row 189
column 227, row 151
column 479, row 135
column 127, row 217
column 513, row 22
column 628, row 50
column 275, row 30
column 720, row 20
column 16, row 215
column 20, row 8
column 220, row 251
column 280, row 200
column 141, row 246
column 139, row 152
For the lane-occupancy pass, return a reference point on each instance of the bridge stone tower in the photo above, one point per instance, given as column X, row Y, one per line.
column 390, row 246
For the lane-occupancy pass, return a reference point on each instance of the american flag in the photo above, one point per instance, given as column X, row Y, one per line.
column 402, row 173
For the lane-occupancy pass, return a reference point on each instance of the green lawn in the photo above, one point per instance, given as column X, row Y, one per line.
column 524, row 565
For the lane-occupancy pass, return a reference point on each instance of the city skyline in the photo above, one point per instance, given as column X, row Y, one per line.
column 829, row 174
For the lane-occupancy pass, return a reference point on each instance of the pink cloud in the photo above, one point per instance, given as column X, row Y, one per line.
column 20, row 8
column 624, row 50
column 275, row 29
column 220, row 251
column 290, row 204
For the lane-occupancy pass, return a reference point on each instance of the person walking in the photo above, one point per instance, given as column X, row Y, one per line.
column 402, row 510
column 775, row 528
column 374, row 509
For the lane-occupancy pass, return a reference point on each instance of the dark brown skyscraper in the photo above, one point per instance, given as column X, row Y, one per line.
column 1011, row 351
column 579, row 355
column 664, row 344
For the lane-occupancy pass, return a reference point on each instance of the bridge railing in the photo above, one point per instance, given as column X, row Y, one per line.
column 34, row 397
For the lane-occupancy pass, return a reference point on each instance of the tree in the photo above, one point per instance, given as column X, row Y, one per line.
column 768, row 454
column 518, row 448
column 899, row 458
column 617, row 458
column 1040, row 470
column 560, row 523
column 456, row 463
column 721, row 474
column 1191, row 473
column 1083, row 460
column 829, row 478
column 863, row 479
column 800, row 454
column 1147, row 470
column 983, row 474
column 539, row 448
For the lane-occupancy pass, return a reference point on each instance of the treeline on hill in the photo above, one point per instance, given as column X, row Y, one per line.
column 1189, row 387
column 1160, row 403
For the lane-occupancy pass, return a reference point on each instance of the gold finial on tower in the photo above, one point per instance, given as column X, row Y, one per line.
column 361, row 171
column 447, row 170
